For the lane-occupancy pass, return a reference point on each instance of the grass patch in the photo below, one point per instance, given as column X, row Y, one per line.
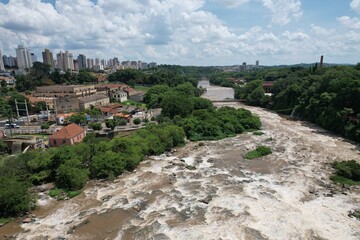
column 258, row 152
column 61, row 194
column 258, row 133
column 72, row 194
column 141, row 88
column 133, row 103
column 346, row 172
column 55, row 192
column 4, row 221
column 343, row 180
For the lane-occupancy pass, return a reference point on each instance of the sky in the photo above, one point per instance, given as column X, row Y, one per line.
column 186, row 32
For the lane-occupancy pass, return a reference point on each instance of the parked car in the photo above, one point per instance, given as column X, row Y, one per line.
column 13, row 125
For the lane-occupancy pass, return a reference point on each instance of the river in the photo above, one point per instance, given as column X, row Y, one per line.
column 285, row 195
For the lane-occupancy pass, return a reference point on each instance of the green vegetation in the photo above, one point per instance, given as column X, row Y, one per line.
column 95, row 126
column 347, row 172
column 328, row 97
column 258, row 152
column 61, row 194
column 258, row 133
column 71, row 166
column 4, row 221
column 14, row 196
column 197, row 116
column 137, row 121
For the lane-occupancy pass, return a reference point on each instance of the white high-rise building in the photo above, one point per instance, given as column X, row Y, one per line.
column 2, row 68
column 23, row 57
column 65, row 61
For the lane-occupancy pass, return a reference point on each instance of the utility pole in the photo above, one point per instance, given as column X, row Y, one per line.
column 27, row 116
column 26, row 110
column 47, row 111
column 17, row 109
column 55, row 109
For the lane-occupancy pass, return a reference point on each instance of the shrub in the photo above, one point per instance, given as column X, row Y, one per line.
column 347, row 172
column 258, row 152
column 95, row 126
column 137, row 121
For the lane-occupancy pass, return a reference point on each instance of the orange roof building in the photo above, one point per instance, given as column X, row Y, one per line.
column 68, row 135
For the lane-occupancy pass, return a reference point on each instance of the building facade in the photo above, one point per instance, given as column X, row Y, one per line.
column 23, row 57
column 48, row 58
column 65, row 91
column 68, row 135
column 96, row 100
column 118, row 96
column 2, row 67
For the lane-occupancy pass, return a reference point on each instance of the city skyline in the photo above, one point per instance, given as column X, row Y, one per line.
column 190, row 32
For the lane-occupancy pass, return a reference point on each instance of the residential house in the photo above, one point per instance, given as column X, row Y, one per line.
column 68, row 135
column 119, row 96
column 111, row 109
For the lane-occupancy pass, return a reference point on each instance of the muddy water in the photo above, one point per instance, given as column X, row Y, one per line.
column 285, row 195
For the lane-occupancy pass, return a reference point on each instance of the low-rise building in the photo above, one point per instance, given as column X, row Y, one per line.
column 67, row 104
column 111, row 109
column 96, row 100
column 119, row 96
column 68, row 135
column 72, row 91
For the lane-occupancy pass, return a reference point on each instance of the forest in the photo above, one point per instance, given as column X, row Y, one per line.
column 328, row 97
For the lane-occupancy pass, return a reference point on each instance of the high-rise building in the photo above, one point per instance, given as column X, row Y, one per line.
column 65, row 61
column 89, row 63
column 257, row 63
column 2, row 67
column 23, row 57
column 33, row 57
column 48, row 58
column 9, row 61
column 81, row 61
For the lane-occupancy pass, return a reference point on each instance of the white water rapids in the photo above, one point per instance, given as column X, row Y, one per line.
column 285, row 195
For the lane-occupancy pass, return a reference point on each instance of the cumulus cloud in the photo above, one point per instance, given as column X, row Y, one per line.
column 167, row 31
column 231, row 3
column 321, row 31
column 284, row 10
column 355, row 5
column 350, row 22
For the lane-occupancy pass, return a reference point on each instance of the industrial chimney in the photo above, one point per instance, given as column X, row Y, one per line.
column 321, row 61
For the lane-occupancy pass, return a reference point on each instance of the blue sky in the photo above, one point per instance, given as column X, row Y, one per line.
column 187, row 32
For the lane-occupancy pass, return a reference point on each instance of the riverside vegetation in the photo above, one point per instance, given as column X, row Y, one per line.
column 184, row 114
column 328, row 97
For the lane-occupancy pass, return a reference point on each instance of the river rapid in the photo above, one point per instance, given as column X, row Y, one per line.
column 285, row 195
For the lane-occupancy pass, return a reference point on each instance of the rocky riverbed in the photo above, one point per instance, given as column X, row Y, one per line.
column 208, row 190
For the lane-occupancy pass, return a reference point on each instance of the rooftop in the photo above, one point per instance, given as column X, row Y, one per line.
column 68, row 132
column 92, row 98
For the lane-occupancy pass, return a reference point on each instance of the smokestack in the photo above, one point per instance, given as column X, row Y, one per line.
column 321, row 61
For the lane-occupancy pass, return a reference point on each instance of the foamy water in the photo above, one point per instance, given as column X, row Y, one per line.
column 225, row 197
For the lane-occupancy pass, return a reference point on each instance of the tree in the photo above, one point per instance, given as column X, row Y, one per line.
column 3, row 84
column 95, row 126
column 137, row 121
column 3, row 147
column 173, row 105
column 45, row 126
column 78, row 118
column 14, row 197
column 110, row 123
column 71, row 175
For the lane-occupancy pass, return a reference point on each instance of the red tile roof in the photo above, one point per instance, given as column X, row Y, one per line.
column 68, row 132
